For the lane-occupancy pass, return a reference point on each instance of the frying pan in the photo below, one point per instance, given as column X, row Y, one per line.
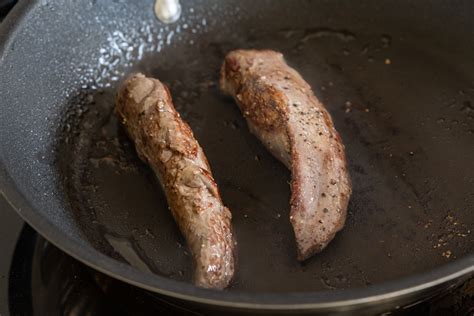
column 396, row 76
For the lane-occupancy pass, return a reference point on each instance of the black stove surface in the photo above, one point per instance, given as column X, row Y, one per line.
column 10, row 228
column 36, row 278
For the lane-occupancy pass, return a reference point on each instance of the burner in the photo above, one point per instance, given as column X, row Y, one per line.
column 43, row 280
column 10, row 227
column 46, row 281
column 36, row 278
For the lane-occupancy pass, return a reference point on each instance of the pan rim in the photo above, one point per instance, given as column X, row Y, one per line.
column 348, row 298
column 342, row 298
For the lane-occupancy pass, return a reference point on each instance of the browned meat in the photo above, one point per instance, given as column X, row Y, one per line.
column 282, row 111
column 166, row 143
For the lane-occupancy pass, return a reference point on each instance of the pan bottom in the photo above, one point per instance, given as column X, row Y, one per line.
column 409, row 211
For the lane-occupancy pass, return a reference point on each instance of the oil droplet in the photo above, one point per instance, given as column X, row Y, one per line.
column 125, row 248
column 386, row 40
column 343, row 35
column 327, row 283
column 467, row 107
column 365, row 50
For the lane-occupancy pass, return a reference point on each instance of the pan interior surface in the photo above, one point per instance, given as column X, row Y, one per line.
column 398, row 84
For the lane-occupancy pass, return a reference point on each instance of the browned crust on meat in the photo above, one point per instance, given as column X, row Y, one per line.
column 283, row 112
column 167, row 144
column 268, row 109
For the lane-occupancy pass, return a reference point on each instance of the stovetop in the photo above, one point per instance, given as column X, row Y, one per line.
column 36, row 278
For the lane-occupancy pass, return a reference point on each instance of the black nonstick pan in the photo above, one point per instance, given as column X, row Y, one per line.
column 396, row 76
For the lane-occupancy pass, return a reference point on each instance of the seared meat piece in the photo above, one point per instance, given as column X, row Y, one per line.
column 282, row 111
column 166, row 143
